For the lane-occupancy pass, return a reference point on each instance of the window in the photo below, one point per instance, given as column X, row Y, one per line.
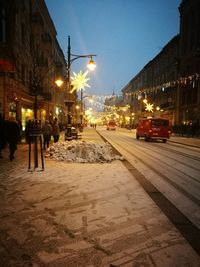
column 2, row 24
column 160, row 122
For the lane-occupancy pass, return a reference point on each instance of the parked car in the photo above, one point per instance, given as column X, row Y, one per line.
column 111, row 125
column 153, row 128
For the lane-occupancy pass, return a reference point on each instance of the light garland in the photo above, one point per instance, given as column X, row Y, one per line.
column 181, row 81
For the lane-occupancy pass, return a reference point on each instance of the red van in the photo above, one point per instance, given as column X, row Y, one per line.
column 111, row 125
column 153, row 128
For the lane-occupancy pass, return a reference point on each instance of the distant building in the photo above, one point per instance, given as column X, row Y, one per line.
column 156, row 83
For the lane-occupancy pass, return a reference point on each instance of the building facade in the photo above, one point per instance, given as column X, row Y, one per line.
column 170, row 81
column 189, row 72
column 30, row 62
column 156, row 84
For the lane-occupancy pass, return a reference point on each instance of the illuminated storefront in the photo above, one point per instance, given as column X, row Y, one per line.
column 26, row 114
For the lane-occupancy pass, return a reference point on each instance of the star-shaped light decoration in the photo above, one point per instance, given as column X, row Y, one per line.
column 149, row 107
column 79, row 81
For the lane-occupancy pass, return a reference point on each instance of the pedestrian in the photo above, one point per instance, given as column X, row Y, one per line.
column 21, row 129
column 55, row 130
column 2, row 135
column 46, row 131
column 12, row 135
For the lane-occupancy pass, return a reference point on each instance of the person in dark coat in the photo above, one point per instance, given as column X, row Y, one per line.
column 2, row 134
column 13, row 135
column 55, row 131
column 21, row 129
column 46, row 131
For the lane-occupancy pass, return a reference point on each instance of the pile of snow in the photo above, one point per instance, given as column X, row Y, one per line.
column 82, row 151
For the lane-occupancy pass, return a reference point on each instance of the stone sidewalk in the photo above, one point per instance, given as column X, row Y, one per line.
column 189, row 141
column 86, row 215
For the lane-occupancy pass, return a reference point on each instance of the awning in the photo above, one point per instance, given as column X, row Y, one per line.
column 6, row 66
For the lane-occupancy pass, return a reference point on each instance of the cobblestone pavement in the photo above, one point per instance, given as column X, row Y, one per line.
column 74, row 214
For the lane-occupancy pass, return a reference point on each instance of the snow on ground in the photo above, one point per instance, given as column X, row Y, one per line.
column 82, row 152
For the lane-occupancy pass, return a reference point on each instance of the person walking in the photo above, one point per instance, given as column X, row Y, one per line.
column 12, row 135
column 2, row 135
column 21, row 129
column 56, row 131
column 46, row 131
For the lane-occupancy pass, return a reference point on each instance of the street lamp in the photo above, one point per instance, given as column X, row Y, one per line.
column 59, row 82
column 71, row 58
column 91, row 65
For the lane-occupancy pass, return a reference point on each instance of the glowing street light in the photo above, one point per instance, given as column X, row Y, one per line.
column 59, row 82
column 91, row 65
column 71, row 58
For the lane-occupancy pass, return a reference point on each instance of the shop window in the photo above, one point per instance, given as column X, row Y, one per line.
column 26, row 115
column 12, row 109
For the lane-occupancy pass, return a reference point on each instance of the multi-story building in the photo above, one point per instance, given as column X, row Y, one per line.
column 156, row 83
column 189, row 72
column 30, row 61
column 170, row 81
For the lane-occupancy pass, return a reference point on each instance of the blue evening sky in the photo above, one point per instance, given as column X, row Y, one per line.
column 125, row 35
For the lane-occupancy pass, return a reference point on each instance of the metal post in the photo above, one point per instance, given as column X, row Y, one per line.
column 81, row 106
column 69, row 79
column 69, row 64
column 69, row 115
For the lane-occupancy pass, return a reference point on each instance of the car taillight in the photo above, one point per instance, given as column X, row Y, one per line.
column 150, row 131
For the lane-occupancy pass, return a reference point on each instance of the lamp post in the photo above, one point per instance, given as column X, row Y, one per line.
column 70, row 59
column 82, row 97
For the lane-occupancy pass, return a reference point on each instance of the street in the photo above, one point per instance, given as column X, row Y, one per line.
column 99, row 133
column 98, row 214
column 172, row 168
